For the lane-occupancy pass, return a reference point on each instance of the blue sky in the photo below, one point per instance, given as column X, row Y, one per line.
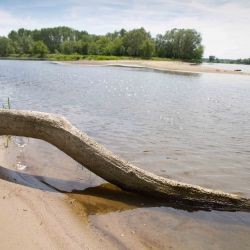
column 224, row 24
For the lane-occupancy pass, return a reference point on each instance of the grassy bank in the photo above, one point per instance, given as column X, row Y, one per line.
column 75, row 57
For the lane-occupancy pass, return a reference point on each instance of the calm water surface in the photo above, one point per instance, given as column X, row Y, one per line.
column 227, row 66
column 190, row 127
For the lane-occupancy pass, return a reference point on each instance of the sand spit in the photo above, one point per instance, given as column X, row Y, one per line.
column 171, row 66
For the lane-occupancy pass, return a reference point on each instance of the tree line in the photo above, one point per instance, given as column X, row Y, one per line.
column 176, row 43
column 213, row 59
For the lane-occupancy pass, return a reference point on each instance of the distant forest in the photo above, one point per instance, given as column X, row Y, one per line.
column 182, row 44
column 213, row 59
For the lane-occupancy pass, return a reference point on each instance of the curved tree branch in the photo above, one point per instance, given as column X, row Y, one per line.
column 62, row 134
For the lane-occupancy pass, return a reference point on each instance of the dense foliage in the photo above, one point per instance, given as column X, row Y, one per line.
column 179, row 43
column 176, row 43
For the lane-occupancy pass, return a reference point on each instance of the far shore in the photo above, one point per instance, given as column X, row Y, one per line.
column 167, row 65
column 170, row 66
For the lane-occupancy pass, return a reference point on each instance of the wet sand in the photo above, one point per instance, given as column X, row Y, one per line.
column 170, row 66
column 36, row 216
column 48, row 201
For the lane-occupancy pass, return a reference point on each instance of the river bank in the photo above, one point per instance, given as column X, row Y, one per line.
column 35, row 215
column 168, row 66
column 42, row 198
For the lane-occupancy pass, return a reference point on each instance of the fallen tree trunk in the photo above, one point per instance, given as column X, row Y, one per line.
column 59, row 132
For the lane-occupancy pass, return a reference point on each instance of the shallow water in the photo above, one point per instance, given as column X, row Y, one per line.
column 190, row 127
column 227, row 66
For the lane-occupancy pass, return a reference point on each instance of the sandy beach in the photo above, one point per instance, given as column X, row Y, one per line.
column 36, row 219
column 170, row 66
column 36, row 216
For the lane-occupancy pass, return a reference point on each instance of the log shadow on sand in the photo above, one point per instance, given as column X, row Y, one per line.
column 102, row 199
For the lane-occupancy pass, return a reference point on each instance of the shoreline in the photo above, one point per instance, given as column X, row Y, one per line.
column 55, row 218
column 164, row 66
column 36, row 215
column 159, row 65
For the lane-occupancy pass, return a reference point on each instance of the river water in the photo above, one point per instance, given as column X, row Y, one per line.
column 229, row 66
column 189, row 127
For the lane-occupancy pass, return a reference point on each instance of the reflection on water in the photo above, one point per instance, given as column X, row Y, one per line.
column 193, row 128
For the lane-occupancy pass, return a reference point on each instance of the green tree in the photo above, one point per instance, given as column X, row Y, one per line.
column 22, row 41
column 13, row 35
column 116, row 47
column 103, row 45
column 147, row 48
column 81, row 47
column 93, row 49
column 68, row 47
column 190, row 44
column 55, row 37
column 6, row 48
column 211, row 59
column 133, row 41
column 176, row 43
column 160, row 46
column 198, row 52
column 26, row 45
column 180, row 43
column 40, row 48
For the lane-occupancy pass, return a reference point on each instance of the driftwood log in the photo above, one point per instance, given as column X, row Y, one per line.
column 57, row 131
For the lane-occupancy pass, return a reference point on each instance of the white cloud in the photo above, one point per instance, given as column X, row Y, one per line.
column 9, row 22
column 224, row 24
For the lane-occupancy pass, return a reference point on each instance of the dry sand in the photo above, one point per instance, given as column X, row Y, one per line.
column 171, row 66
column 40, row 217
column 34, row 219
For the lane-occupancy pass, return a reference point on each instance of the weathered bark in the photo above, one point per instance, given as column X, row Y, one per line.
column 59, row 132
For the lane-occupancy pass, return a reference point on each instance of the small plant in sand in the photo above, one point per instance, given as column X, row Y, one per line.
column 8, row 105
column 8, row 137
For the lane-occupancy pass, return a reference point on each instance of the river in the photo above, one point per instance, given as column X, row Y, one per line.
column 190, row 127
